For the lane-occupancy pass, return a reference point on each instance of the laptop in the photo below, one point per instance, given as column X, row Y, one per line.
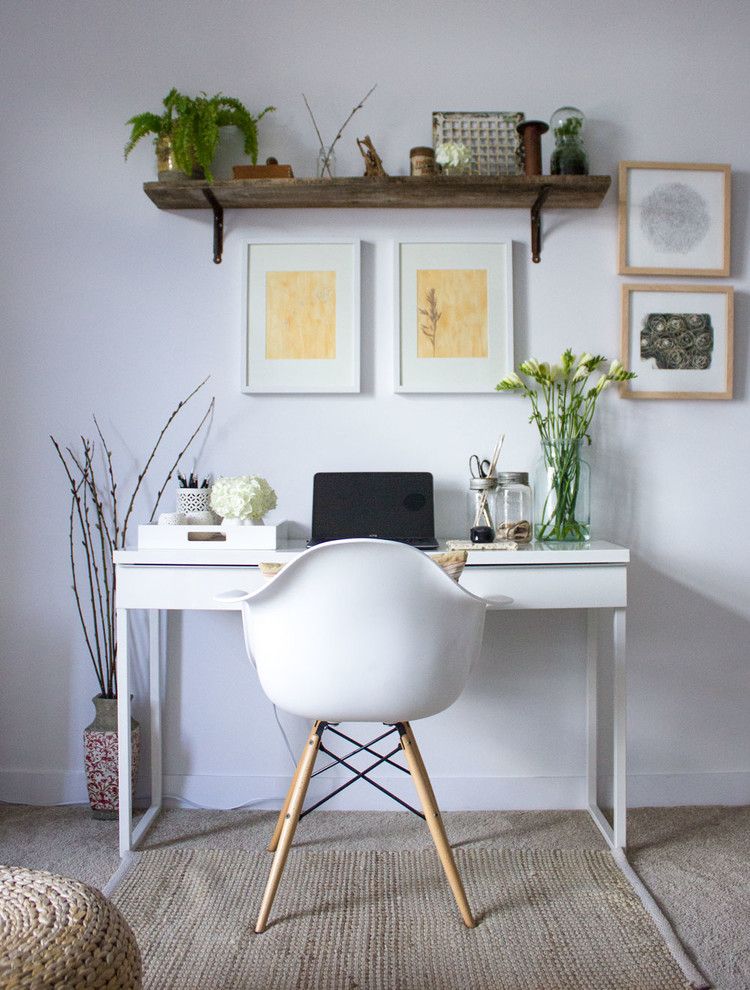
column 385, row 505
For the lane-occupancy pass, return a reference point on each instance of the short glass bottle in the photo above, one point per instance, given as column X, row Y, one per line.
column 569, row 156
column 513, row 507
column 480, row 505
column 326, row 164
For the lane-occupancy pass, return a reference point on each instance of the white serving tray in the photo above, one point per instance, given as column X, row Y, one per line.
column 211, row 537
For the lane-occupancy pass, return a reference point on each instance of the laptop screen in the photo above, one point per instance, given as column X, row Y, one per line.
column 391, row 505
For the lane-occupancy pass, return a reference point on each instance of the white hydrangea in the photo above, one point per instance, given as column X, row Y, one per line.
column 453, row 155
column 245, row 497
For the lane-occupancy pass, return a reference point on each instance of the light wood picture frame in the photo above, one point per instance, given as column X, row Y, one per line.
column 674, row 219
column 679, row 341
column 454, row 316
column 301, row 317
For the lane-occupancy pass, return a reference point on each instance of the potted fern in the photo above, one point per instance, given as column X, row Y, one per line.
column 186, row 135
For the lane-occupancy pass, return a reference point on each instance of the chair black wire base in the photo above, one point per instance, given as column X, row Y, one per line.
column 336, row 760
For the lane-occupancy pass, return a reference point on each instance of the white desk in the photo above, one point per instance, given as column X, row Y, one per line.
column 591, row 577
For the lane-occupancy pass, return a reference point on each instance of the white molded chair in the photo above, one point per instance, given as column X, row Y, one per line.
column 361, row 631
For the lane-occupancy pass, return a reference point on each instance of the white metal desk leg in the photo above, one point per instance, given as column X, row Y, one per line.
column 123, row 733
column 614, row 833
column 592, row 708
column 154, row 659
column 620, row 804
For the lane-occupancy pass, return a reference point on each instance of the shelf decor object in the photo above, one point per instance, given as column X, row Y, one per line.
column 674, row 219
column 531, row 132
column 569, row 156
column 679, row 340
column 466, row 192
column 301, row 317
column 454, row 319
column 490, row 136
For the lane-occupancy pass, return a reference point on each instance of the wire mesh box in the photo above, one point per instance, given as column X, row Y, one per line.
column 491, row 136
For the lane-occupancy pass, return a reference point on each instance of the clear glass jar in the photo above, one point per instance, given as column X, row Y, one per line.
column 513, row 507
column 480, row 513
column 562, row 501
column 326, row 164
column 569, row 156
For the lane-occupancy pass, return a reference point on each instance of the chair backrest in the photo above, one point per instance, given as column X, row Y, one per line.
column 363, row 630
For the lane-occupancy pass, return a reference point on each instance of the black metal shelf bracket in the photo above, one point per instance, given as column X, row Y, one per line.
column 218, row 225
column 536, row 224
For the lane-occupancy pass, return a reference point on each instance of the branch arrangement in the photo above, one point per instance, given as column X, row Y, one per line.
column 95, row 531
column 326, row 163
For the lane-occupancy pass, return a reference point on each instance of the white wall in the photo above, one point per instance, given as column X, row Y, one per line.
column 110, row 305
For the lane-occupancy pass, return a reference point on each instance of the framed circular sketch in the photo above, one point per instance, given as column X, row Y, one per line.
column 674, row 219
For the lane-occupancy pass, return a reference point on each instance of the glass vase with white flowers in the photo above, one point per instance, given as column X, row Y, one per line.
column 563, row 402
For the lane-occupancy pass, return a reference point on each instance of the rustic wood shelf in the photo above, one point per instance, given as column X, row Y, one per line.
column 391, row 192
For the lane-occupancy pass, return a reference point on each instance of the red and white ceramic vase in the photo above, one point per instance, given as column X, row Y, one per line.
column 101, row 756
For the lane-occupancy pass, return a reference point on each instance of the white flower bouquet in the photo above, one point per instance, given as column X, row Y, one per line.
column 244, row 497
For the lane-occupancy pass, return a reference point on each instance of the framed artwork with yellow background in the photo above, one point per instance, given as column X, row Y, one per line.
column 454, row 316
column 301, row 317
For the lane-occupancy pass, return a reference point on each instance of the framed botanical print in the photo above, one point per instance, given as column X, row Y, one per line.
column 301, row 317
column 678, row 339
column 454, row 325
column 674, row 219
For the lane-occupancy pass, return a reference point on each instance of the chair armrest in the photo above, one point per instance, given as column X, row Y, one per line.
column 496, row 602
column 233, row 597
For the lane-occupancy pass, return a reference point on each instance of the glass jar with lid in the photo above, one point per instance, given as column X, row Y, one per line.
column 480, row 506
column 569, row 156
column 513, row 507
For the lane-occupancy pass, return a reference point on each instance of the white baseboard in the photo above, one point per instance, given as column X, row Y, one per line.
column 666, row 790
column 41, row 787
column 453, row 793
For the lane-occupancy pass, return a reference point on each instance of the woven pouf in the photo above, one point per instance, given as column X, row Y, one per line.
column 56, row 932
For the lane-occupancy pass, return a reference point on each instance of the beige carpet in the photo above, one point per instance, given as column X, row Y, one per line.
column 387, row 921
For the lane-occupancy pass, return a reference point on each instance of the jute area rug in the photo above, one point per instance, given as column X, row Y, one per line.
column 548, row 920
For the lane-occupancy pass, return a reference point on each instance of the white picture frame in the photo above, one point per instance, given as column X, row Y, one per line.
column 301, row 317
column 653, row 319
column 472, row 285
column 674, row 219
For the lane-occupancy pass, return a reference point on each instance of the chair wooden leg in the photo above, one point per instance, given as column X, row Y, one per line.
column 434, row 821
column 289, row 826
column 271, row 847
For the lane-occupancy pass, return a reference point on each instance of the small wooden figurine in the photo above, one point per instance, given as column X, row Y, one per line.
column 373, row 163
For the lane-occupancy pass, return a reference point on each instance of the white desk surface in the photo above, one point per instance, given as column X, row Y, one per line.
column 595, row 552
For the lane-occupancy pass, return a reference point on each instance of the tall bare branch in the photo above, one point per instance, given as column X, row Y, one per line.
column 94, row 534
column 151, row 456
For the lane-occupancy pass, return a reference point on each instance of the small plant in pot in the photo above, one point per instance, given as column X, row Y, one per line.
column 187, row 134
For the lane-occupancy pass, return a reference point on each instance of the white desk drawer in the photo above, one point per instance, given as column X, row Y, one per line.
column 146, row 586
column 560, row 586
